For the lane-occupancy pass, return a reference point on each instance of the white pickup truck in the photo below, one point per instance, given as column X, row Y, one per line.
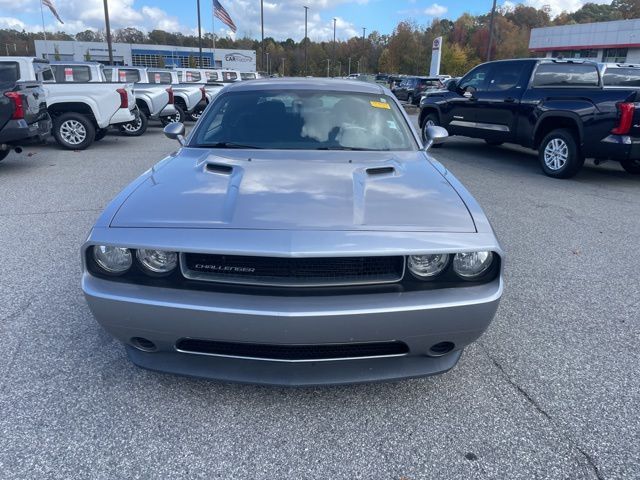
column 81, row 112
column 155, row 98
column 213, row 81
column 190, row 97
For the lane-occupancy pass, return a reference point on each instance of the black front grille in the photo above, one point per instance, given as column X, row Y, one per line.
column 293, row 272
column 292, row 352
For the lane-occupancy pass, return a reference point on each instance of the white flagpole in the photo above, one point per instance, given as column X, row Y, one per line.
column 44, row 31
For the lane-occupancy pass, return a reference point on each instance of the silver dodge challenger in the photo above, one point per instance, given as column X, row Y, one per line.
column 300, row 235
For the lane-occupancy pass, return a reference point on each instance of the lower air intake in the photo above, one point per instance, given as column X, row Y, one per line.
column 292, row 352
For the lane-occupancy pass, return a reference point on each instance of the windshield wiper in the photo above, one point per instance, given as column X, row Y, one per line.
column 353, row 149
column 227, row 145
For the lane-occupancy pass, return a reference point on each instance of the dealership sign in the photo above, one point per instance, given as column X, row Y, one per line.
column 238, row 57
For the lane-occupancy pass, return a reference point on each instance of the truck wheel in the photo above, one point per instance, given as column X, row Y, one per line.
column 196, row 114
column 179, row 116
column 431, row 120
column 100, row 134
column 73, row 131
column 136, row 127
column 631, row 166
column 559, row 154
column 3, row 154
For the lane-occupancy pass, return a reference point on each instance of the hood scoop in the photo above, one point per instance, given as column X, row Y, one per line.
column 380, row 171
column 219, row 168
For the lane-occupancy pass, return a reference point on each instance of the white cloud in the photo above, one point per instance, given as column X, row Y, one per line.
column 559, row 6
column 435, row 10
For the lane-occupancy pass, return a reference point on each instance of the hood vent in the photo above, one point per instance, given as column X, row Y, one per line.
column 380, row 171
column 219, row 168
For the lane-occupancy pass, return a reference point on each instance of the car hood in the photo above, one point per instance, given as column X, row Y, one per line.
column 294, row 190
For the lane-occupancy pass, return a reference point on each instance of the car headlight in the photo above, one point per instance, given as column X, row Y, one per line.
column 157, row 261
column 472, row 265
column 428, row 266
column 113, row 260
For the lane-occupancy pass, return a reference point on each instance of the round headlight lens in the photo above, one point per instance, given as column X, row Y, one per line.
column 157, row 261
column 114, row 260
column 472, row 264
column 427, row 266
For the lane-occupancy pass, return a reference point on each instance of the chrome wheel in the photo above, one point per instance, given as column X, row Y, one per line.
column 173, row 118
column 73, row 132
column 429, row 123
column 196, row 114
column 133, row 126
column 556, row 154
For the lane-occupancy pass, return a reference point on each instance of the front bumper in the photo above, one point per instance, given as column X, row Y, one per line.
column 19, row 132
column 419, row 319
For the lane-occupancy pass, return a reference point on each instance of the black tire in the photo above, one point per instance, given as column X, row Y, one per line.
column 100, row 134
column 431, row 119
column 136, row 127
column 494, row 143
column 73, row 131
column 179, row 116
column 631, row 166
column 559, row 154
column 3, row 154
column 196, row 114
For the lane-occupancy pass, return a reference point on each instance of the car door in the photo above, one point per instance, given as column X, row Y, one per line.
column 497, row 104
column 459, row 112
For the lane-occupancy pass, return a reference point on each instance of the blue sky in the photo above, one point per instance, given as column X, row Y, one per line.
column 283, row 18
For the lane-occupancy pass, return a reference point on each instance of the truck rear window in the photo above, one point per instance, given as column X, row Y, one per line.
column 160, row 77
column 565, row 75
column 622, row 77
column 71, row 74
column 9, row 72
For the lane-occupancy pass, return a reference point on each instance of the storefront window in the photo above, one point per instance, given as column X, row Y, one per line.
column 615, row 55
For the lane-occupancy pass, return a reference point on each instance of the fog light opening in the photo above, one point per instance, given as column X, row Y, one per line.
column 143, row 344
column 441, row 348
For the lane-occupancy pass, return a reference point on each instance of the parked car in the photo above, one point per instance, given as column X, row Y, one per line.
column 286, row 242
column 558, row 107
column 154, row 98
column 23, row 111
column 190, row 99
column 81, row 112
column 411, row 89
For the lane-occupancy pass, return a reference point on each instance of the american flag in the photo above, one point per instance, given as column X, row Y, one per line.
column 52, row 7
column 222, row 14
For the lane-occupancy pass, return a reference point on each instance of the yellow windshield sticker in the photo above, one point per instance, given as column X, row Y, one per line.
column 384, row 105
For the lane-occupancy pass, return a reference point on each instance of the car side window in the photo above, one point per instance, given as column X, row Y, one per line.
column 505, row 76
column 476, row 78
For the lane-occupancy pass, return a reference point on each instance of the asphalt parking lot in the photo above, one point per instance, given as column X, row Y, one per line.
column 550, row 391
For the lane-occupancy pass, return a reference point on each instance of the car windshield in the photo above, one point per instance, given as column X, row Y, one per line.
column 304, row 120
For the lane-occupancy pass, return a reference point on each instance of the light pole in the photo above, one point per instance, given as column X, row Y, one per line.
column 334, row 44
column 268, row 73
column 108, row 29
column 349, row 65
column 199, row 35
column 262, row 26
column 493, row 13
column 364, row 50
column 283, row 59
column 306, row 10
column 328, row 63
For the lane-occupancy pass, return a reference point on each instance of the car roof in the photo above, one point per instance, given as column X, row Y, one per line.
column 330, row 84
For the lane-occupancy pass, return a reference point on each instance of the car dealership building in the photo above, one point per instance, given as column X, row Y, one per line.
column 143, row 55
column 617, row 41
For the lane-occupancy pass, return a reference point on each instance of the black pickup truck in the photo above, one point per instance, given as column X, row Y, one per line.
column 558, row 107
column 23, row 111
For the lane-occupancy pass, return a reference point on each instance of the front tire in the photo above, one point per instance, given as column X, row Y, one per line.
column 73, row 131
column 179, row 117
column 100, row 134
column 136, row 127
column 559, row 154
column 431, row 120
column 196, row 114
column 631, row 166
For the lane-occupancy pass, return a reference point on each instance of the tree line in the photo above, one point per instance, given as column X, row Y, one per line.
column 407, row 50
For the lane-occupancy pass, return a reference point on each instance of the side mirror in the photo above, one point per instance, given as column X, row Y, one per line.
column 175, row 131
column 434, row 135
